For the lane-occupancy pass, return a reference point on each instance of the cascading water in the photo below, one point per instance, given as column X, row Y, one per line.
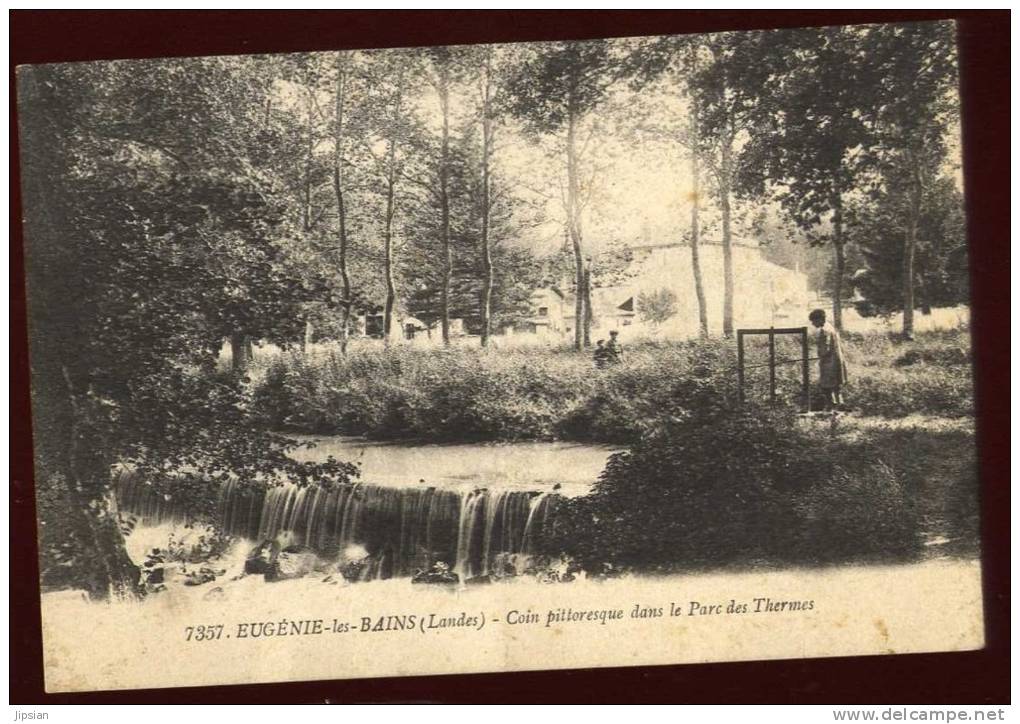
column 478, row 533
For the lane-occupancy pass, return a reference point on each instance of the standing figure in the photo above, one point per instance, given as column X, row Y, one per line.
column 614, row 352
column 601, row 354
column 831, row 365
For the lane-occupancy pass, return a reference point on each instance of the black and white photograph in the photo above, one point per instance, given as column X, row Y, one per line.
column 499, row 357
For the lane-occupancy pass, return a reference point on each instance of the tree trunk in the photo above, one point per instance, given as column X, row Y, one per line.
column 309, row 335
column 239, row 357
column 909, row 248
column 487, row 272
column 71, row 453
column 106, row 569
column 391, row 290
column 73, row 431
column 444, row 202
column 391, row 188
column 588, row 318
column 574, row 224
column 306, row 211
column 839, row 249
column 115, row 575
column 725, row 183
column 699, row 285
column 338, row 192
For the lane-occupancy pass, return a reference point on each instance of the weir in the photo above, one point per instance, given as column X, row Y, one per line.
column 477, row 532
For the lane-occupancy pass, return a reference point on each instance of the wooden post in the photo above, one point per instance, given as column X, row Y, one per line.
column 772, row 366
column 740, row 365
column 805, row 368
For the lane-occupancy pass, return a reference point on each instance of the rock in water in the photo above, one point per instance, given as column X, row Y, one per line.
column 293, row 562
column 439, row 573
column 202, row 575
column 351, row 571
column 262, row 558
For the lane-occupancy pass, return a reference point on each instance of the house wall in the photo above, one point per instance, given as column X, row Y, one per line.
column 765, row 294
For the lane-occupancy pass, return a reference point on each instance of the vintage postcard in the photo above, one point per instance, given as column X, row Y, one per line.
column 510, row 357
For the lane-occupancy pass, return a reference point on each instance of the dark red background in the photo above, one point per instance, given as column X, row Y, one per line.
column 976, row 677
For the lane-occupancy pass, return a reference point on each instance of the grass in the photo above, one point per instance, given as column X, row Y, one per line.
column 931, row 375
column 469, row 394
column 543, row 394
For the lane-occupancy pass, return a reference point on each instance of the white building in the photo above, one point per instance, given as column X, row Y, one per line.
column 765, row 294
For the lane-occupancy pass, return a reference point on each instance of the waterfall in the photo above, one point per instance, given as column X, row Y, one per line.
column 144, row 502
column 477, row 533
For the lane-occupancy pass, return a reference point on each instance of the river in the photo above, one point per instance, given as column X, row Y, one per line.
column 480, row 509
column 569, row 468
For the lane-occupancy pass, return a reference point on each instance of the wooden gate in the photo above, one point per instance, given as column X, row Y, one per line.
column 803, row 360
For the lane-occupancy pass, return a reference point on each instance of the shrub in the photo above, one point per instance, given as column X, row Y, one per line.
column 923, row 389
column 856, row 513
column 746, row 487
column 893, row 377
column 707, row 486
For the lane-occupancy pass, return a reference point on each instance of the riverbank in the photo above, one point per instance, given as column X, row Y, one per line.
column 890, row 491
column 470, row 395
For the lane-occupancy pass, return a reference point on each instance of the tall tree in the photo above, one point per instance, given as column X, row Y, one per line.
column 914, row 68
column 554, row 90
column 720, row 87
column 476, row 201
column 695, row 143
column 343, row 72
column 391, row 75
column 392, row 142
column 486, row 107
column 443, row 72
column 677, row 61
column 809, row 131
column 877, row 229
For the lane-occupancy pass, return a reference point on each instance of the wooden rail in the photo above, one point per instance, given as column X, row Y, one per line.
column 771, row 332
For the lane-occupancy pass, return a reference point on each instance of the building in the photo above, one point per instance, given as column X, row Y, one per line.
column 765, row 294
column 547, row 313
column 406, row 328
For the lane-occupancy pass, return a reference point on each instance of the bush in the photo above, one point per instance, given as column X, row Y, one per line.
column 742, row 487
column 699, row 490
column 928, row 390
column 860, row 513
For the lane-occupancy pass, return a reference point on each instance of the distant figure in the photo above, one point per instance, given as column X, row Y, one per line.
column 601, row 354
column 614, row 352
column 831, row 365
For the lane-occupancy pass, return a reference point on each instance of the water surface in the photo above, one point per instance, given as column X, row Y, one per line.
column 538, row 466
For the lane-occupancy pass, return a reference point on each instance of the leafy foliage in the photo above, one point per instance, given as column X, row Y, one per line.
column 146, row 248
column 658, row 306
column 942, row 270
